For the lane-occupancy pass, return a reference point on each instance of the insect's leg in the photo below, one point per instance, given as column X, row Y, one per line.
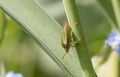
column 70, row 55
column 76, row 42
column 65, row 54
column 73, row 28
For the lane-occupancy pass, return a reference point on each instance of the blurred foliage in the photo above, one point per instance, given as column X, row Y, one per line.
column 20, row 54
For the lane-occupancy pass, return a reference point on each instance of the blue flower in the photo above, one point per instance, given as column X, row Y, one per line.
column 113, row 41
column 118, row 50
column 12, row 74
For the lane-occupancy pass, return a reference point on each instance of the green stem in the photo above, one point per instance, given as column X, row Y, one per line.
column 2, row 69
column 82, row 51
column 2, row 25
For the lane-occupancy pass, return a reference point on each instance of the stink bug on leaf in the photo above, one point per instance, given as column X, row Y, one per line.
column 67, row 38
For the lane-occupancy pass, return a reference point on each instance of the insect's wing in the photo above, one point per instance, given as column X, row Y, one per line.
column 63, row 37
column 65, row 34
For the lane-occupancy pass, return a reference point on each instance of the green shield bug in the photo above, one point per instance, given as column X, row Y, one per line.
column 67, row 37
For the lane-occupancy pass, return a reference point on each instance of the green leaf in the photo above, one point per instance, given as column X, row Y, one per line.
column 45, row 31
